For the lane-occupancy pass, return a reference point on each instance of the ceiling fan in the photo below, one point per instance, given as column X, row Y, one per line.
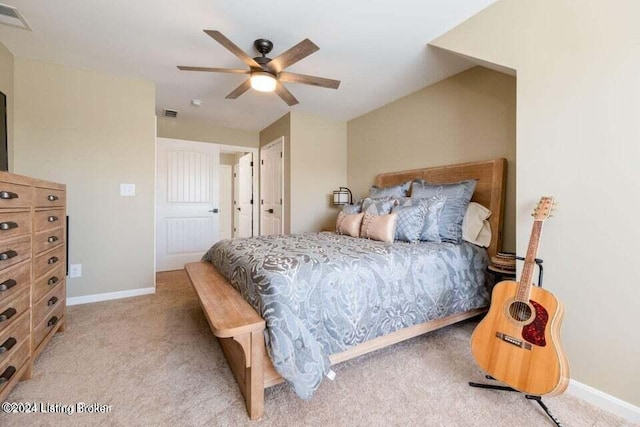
column 266, row 74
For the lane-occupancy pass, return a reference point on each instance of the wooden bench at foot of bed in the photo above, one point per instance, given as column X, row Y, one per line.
column 240, row 332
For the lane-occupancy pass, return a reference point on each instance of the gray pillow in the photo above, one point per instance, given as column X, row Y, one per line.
column 378, row 206
column 433, row 208
column 399, row 190
column 457, row 196
column 410, row 222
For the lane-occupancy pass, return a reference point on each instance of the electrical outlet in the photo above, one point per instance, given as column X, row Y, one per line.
column 128, row 190
column 75, row 270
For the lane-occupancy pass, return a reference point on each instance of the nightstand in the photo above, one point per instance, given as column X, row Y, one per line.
column 499, row 274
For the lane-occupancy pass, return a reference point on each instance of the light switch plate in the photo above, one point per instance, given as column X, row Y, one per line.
column 128, row 190
column 75, row 270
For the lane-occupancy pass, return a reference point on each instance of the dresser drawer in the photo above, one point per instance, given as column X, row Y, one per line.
column 14, row 224
column 15, row 195
column 47, row 324
column 10, row 367
column 13, row 337
column 45, row 197
column 49, row 219
column 14, row 279
column 12, row 309
column 48, row 261
column 44, row 284
column 48, row 303
column 48, row 239
column 14, row 251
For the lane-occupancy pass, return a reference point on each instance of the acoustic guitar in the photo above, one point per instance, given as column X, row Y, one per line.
column 518, row 342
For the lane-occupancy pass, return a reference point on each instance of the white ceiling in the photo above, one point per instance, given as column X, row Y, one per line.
column 377, row 48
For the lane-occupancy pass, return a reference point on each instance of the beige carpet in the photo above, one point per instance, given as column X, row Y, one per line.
column 153, row 359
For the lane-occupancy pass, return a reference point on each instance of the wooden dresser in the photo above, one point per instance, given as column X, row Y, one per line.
column 32, row 272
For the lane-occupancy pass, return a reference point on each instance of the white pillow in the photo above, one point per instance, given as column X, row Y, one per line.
column 475, row 227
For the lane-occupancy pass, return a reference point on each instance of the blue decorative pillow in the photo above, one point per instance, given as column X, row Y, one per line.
column 353, row 209
column 399, row 190
column 410, row 222
column 378, row 206
column 457, row 196
column 433, row 206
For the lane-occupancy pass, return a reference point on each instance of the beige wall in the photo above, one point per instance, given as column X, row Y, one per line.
column 93, row 132
column 468, row 117
column 578, row 137
column 194, row 130
column 6, row 87
column 282, row 127
column 318, row 166
column 228, row 159
column 315, row 165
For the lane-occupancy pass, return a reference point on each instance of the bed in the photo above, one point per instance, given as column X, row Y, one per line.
column 424, row 287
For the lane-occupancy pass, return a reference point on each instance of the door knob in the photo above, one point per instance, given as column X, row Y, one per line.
column 239, row 209
column 213, row 210
column 269, row 210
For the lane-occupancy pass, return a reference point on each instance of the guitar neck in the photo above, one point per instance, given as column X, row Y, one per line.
column 526, row 279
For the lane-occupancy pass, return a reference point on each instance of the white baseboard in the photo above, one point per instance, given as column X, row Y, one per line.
column 85, row 299
column 604, row 401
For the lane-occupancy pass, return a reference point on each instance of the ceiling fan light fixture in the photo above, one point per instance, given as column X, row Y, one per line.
column 263, row 81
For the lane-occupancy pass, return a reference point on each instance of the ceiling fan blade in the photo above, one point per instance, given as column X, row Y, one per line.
column 285, row 95
column 308, row 80
column 213, row 70
column 231, row 47
column 300, row 51
column 245, row 86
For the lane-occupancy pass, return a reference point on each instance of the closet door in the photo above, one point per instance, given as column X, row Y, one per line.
column 272, row 188
column 244, row 208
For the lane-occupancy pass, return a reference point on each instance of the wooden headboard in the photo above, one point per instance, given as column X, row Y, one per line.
column 490, row 188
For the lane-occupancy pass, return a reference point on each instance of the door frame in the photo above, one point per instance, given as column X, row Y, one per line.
column 223, row 148
column 264, row 147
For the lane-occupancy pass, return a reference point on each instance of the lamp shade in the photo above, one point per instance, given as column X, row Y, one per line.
column 342, row 196
column 263, row 82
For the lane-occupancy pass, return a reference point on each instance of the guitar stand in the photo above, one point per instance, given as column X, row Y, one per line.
column 537, row 399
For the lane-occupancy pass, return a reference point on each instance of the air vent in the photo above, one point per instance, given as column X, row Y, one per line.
column 170, row 113
column 9, row 15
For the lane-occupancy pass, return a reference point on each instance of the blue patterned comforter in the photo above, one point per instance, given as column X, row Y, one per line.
column 323, row 293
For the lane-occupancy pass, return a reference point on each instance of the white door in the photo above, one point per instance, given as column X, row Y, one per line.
column 236, row 210
column 271, row 188
column 226, row 202
column 186, row 201
column 244, row 226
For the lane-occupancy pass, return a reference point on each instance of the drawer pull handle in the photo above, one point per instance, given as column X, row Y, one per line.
column 52, row 301
column 8, row 254
column 6, row 195
column 7, row 374
column 52, row 321
column 7, row 345
column 7, row 314
column 8, row 225
column 52, row 260
column 52, row 281
column 7, row 284
column 52, row 198
column 52, row 218
column 52, row 239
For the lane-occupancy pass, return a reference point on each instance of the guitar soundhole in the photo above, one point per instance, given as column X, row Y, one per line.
column 520, row 311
